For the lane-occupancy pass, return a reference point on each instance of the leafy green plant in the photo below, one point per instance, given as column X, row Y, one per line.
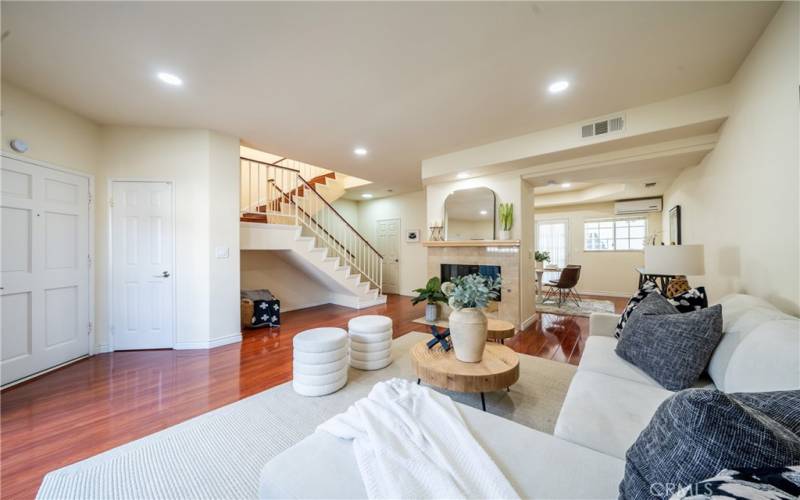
column 472, row 290
column 432, row 292
column 541, row 256
column 506, row 216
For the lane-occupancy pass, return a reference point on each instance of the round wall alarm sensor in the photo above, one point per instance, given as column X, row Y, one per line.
column 19, row 145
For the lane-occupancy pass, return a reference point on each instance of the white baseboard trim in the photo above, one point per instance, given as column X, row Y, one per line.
column 209, row 344
column 528, row 322
column 355, row 302
column 101, row 348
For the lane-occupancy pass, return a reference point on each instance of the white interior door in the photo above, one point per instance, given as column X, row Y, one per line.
column 388, row 235
column 45, row 268
column 142, row 242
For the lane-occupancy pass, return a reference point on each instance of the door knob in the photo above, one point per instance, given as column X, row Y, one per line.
column 165, row 274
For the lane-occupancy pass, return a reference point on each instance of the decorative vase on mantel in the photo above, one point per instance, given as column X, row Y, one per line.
column 468, row 333
column 505, row 235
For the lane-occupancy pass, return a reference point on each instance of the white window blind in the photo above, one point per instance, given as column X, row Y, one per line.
column 551, row 236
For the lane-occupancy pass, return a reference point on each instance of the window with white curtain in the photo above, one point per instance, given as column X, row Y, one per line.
column 614, row 234
column 551, row 236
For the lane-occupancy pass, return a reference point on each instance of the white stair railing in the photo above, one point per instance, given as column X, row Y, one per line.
column 274, row 193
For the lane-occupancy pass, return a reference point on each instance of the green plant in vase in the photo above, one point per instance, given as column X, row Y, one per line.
column 468, row 295
column 506, row 220
column 433, row 294
column 541, row 258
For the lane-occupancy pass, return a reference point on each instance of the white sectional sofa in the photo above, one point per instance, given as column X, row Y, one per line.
column 608, row 404
column 610, row 401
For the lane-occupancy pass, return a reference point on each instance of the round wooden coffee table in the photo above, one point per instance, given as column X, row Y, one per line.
column 499, row 369
column 499, row 330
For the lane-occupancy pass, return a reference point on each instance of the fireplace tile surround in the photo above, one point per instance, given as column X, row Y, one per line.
column 481, row 254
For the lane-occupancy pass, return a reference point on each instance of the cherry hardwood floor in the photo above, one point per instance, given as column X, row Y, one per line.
column 110, row 399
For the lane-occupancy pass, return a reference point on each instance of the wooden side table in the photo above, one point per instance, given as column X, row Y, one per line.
column 499, row 330
column 498, row 370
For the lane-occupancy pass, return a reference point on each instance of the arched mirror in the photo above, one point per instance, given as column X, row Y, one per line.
column 469, row 214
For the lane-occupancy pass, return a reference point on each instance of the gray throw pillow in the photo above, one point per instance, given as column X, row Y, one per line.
column 654, row 303
column 674, row 349
column 698, row 432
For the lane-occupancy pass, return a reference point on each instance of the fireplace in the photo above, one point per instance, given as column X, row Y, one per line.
column 450, row 271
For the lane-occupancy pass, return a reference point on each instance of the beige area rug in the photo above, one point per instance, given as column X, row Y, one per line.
column 587, row 307
column 220, row 454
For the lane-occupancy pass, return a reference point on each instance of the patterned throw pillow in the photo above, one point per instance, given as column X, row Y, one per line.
column 770, row 483
column 677, row 286
column 698, row 432
column 674, row 349
column 692, row 300
column 647, row 288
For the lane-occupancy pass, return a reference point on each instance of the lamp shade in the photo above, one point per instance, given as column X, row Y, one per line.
column 674, row 260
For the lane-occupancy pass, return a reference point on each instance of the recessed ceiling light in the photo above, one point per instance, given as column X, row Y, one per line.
column 559, row 86
column 484, row 212
column 565, row 185
column 462, row 175
column 366, row 195
column 360, row 151
column 170, row 79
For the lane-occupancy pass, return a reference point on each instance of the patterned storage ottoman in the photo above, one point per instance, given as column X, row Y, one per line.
column 259, row 309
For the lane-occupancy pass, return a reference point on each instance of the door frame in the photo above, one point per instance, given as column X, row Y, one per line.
column 399, row 249
column 110, row 263
column 92, row 337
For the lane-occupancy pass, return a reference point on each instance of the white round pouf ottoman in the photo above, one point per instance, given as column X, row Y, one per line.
column 370, row 342
column 320, row 361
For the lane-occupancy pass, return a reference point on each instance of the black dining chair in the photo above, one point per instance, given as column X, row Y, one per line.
column 565, row 286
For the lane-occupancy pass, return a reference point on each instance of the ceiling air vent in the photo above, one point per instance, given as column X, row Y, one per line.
column 602, row 127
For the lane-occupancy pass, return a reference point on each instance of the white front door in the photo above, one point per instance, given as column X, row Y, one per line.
column 388, row 236
column 44, row 301
column 142, row 239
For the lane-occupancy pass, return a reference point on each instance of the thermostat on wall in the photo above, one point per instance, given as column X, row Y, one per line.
column 19, row 145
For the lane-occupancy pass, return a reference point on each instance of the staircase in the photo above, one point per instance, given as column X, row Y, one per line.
column 281, row 210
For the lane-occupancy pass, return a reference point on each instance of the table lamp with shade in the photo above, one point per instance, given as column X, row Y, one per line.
column 674, row 262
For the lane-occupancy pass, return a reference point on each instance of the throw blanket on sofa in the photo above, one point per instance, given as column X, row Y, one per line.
column 411, row 442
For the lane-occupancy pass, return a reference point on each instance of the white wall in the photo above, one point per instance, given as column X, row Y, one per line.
column 505, row 186
column 204, row 168
column 410, row 209
column 54, row 134
column 348, row 209
column 274, row 270
column 741, row 202
column 223, row 185
column 611, row 273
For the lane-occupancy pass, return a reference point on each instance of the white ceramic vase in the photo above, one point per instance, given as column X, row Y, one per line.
column 505, row 235
column 431, row 312
column 468, row 332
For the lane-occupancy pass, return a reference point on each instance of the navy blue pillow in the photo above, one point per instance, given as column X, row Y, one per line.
column 696, row 433
column 674, row 349
column 647, row 288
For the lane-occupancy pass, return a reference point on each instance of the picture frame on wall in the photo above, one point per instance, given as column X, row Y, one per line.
column 675, row 225
column 412, row 236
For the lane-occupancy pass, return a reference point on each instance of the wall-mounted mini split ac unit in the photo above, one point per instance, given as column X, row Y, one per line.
column 644, row 206
column 602, row 127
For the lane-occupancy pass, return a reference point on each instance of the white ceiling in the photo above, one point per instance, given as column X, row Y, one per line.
column 408, row 81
